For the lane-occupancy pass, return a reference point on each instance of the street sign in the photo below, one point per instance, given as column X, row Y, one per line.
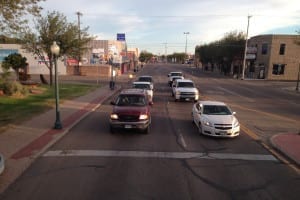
column 121, row 36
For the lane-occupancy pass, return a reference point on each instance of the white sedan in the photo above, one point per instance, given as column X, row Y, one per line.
column 146, row 86
column 1, row 164
column 215, row 118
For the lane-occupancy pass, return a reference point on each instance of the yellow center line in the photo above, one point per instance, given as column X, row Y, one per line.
column 266, row 113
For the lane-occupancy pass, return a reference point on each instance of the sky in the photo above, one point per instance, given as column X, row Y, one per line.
column 158, row 26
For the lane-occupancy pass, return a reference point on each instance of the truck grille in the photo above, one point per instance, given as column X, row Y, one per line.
column 128, row 118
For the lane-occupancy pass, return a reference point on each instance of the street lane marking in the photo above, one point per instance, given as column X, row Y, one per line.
column 236, row 94
column 182, row 141
column 166, row 155
column 266, row 113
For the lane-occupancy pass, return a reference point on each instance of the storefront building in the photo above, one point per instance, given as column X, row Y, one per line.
column 273, row 57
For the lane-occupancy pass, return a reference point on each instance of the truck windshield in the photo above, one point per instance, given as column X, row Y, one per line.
column 131, row 100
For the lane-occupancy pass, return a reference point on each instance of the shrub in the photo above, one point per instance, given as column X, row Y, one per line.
column 14, row 88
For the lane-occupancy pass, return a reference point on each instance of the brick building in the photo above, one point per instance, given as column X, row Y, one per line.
column 273, row 57
column 102, row 57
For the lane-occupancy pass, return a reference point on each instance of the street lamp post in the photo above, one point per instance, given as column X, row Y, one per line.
column 55, row 52
column 111, row 82
column 297, row 86
column 186, row 33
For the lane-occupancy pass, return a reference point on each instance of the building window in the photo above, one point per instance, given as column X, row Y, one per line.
column 282, row 49
column 264, row 49
column 278, row 69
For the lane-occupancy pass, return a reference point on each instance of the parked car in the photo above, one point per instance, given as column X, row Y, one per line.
column 131, row 110
column 172, row 74
column 184, row 89
column 146, row 86
column 147, row 78
column 215, row 118
column 2, row 163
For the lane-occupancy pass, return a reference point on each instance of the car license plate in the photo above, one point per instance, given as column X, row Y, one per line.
column 187, row 99
column 223, row 132
column 128, row 126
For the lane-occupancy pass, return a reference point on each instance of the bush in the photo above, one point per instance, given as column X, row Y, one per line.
column 14, row 88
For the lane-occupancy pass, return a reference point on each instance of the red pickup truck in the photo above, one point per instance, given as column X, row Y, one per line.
column 131, row 110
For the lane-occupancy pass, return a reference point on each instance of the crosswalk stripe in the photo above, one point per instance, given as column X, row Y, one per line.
column 166, row 155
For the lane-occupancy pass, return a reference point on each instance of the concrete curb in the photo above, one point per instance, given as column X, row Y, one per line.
column 288, row 144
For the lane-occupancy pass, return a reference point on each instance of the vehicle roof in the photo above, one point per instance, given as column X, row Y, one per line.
column 184, row 80
column 180, row 77
column 146, row 76
column 217, row 103
column 175, row 72
column 133, row 91
column 141, row 82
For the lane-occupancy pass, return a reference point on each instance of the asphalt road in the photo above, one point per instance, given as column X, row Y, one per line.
column 173, row 161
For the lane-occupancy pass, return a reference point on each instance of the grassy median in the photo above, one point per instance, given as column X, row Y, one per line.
column 15, row 110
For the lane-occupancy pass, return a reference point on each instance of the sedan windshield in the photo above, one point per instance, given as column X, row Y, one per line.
column 176, row 74
column 131, row 100
column 186, row 84
column 216, row 110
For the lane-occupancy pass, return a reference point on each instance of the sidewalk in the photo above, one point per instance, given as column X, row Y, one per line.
column 289, row 145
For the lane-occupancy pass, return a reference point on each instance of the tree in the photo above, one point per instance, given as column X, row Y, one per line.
column 12, row 12
column 15, row 61
column 145, row 56
column 54, row 27
column 224, row 51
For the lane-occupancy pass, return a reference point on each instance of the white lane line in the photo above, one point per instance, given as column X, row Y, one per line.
column 166, row 155
column 182, row 141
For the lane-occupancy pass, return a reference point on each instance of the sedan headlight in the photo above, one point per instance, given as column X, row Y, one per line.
column 143, row 117
column 208, row 123
column 114, row 116
column 236, row 124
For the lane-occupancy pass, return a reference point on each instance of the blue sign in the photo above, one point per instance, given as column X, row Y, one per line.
column 121, row 36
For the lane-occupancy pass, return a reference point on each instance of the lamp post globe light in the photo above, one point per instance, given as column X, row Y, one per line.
column 55, row 52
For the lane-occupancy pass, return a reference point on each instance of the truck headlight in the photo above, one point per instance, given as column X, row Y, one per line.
column 114, row 116
column 143, row 117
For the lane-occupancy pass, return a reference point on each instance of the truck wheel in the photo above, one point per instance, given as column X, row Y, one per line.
column 147, row 130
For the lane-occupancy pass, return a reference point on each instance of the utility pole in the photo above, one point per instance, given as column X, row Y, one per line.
column 186, row 33
column 245, row 51
column 166, row 47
